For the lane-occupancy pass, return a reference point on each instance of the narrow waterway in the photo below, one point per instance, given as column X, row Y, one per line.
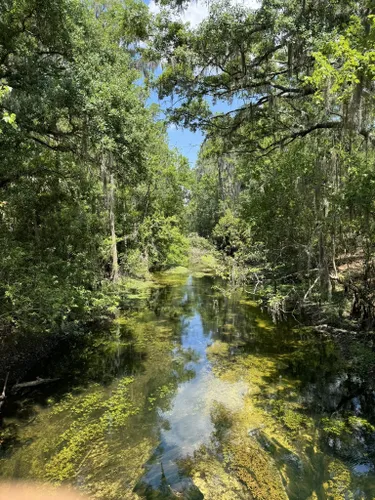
column 192, row 394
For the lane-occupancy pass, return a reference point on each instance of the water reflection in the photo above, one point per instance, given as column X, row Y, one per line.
column 189, row 420
column 192, row 393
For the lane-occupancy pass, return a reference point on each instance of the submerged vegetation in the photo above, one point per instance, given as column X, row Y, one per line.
column 196, row 393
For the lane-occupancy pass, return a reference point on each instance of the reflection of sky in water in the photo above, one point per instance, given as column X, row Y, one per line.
column 361, row 469
column 194, row 338
column 189, row 419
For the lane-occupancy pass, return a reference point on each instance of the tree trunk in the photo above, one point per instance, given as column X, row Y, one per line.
column 111, row 208
column 109, row 201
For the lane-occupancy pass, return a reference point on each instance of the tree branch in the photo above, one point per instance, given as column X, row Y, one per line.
column 284, row 141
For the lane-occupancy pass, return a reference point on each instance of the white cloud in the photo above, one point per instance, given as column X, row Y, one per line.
column 197, row 11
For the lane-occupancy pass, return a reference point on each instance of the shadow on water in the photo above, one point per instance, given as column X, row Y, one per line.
column 196, row 395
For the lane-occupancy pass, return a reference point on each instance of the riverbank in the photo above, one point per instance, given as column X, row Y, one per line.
column 348, row 308
column 24, row 348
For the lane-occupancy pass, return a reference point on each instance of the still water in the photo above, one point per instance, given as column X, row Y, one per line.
column 193, row 394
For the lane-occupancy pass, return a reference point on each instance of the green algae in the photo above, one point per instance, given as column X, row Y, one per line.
column 218, row 348
column 358, row 423
column 334, row 426
column 342, row 427
column 250, row 303
column 245, row 470
column 177, row 271
column 294, row 421
column 178, row 275
column 274, row 421
column 212, row 478
column 244, row 456
column 79, row 435
column 137, row 289
column 254, row 468
column 175, row 276
column 338, row 485
column 278, row 421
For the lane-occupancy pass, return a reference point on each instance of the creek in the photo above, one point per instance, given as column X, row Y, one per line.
column 192, row 393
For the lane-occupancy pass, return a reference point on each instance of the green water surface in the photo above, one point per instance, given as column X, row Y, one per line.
column 191, row 394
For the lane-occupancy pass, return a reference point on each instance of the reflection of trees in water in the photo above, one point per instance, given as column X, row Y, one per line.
column 334, row 379
column 139, row 345
column 330, row 396
column 320, row 389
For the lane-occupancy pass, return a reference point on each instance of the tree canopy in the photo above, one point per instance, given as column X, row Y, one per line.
column 285, row 96
column 90, row 189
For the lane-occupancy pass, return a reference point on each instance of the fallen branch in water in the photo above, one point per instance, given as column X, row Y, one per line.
column 33, row 383
column 22, row 385
column 333, row 330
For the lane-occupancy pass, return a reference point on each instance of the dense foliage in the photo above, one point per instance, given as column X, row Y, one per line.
column 285, row 95
column 90, row 190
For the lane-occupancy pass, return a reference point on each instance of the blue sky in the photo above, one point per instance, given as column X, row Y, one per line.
column 186, row 141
